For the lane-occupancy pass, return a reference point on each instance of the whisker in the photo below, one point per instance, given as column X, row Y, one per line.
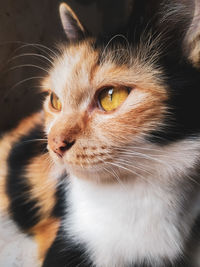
column 115, row 36
column 27, row 65
column 147, row 148
column 131, row 171
column 30, row 54
column 21, row 82
column 144, row 156
column 41, row 47
column 113, row 173
column 125, row 162
column 145, row 153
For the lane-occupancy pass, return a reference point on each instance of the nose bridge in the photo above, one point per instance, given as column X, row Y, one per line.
column 68, row 127
column 71, row 127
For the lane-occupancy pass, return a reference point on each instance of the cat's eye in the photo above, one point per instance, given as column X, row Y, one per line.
column 55, row 102
column 112, row 97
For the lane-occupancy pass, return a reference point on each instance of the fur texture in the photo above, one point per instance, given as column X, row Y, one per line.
column 118, row 188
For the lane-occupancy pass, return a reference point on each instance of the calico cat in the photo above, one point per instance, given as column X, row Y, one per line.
column 107, row 174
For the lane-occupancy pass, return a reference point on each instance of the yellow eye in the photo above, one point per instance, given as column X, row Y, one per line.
column 112, row 97
column 55, row 102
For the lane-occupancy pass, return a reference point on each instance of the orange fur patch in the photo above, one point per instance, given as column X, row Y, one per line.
column 43, row 186
column 45, row 233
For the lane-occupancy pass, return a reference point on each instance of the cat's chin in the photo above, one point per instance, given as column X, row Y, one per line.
column 89, row 172
column 99, row 173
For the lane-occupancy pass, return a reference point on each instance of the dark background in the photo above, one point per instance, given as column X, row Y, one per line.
column 29, row 21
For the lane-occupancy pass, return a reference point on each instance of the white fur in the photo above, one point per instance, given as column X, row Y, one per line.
column 16, row 248
column 123, row 224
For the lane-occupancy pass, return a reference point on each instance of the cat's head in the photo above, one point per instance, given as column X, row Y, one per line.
column 113, row 100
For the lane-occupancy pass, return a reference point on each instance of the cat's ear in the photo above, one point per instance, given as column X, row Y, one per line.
column 71, row 24
column 192, row 39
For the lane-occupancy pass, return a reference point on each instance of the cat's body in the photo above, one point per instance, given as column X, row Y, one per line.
column 27, row 196
column 119, row 183
column 107, row 213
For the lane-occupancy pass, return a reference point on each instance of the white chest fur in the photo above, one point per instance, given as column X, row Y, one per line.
column 123, row 224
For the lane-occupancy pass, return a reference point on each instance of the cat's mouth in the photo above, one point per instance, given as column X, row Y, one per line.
column 94, row 166
column 99, row 165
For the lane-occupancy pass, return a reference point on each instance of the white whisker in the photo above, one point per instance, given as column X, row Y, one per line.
column 113, row 173
column 31, row 54
column 125, row 162
column 28, row 65
column 131, row 171
column 144, row 156
column 43, row 48
column 21, row 82
column 115, row 36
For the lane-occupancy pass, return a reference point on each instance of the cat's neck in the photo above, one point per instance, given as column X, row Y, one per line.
column 123, row 224
column 147, row 217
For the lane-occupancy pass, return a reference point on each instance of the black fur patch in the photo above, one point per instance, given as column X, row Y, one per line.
column 183, row 82
column 23, row 209
column 64, row 253
column 60, row 206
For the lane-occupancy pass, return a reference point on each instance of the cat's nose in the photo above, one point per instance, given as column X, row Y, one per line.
column 61, row 146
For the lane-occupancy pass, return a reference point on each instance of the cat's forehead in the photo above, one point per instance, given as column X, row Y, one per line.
column 73, row 66
column 80, row 71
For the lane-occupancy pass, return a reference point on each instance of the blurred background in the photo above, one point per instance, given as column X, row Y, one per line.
column 27, row 27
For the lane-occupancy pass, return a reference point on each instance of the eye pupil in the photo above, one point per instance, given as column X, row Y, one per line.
column 51, row 96
column 110, row 93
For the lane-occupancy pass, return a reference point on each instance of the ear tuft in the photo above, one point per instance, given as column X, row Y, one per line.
column 71, row 24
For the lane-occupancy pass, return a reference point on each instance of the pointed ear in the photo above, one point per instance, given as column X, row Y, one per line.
column 71, row 24
column 192, row 40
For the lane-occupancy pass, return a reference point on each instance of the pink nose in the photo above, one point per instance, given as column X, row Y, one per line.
column 60, row 146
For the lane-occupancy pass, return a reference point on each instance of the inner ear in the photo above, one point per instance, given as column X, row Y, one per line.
column 71, row 24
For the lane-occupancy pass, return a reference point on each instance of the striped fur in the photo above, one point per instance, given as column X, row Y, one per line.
column 28, row 189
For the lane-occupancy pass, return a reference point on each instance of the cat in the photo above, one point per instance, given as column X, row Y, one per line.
column 107, row 173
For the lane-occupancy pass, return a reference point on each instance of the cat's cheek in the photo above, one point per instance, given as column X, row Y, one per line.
column 58, row 162
column 49, row 118
column 48, row 126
